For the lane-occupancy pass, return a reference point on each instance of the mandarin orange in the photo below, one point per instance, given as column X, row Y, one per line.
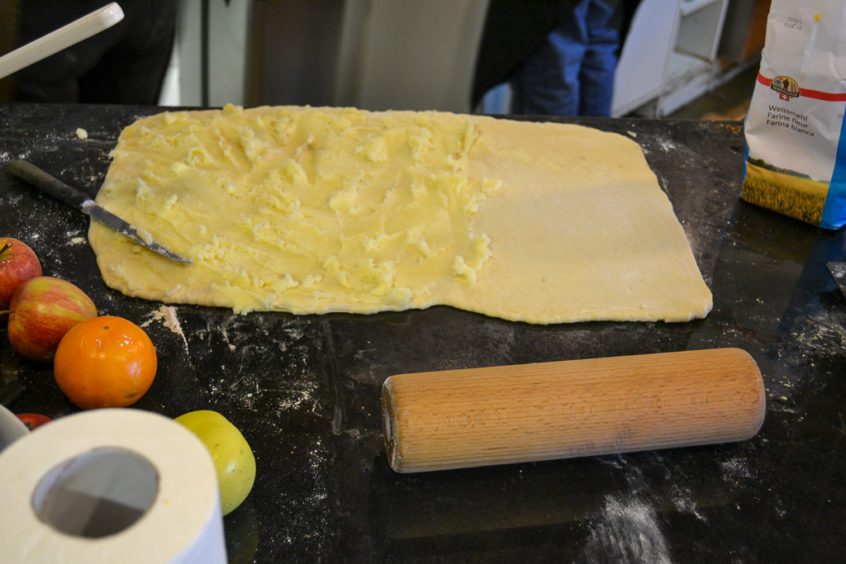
column 106, row 361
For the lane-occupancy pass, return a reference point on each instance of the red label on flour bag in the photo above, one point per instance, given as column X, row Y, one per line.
column 796, row 163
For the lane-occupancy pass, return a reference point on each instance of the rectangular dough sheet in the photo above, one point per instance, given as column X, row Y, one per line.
column 315, row 210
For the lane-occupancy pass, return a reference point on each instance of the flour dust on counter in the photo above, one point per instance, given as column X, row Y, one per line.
column 264, row 366
column 316, row 210
column 667, row 145
column 307, row 512
column 300, row 394
column 823, row 332
column 735, row 469
column 684, row 502
column 630, row 523
column 627, row 531
column 276, row 401
column 167, row 316
column 74, row 238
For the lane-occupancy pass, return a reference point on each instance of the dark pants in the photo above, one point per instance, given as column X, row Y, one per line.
column 125, row 64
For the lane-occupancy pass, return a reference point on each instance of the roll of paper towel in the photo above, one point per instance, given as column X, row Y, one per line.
column 11, row 428
column 112, row 485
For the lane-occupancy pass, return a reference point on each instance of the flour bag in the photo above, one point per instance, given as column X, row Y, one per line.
column 796, row 163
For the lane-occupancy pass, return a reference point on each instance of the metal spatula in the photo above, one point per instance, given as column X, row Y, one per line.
column 34, row 176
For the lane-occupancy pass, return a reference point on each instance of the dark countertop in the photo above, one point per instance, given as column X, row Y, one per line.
column 304, row 390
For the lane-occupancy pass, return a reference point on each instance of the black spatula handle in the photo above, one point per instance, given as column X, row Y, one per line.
column 33, row 175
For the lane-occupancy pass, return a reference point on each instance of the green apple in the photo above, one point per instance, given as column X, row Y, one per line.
column 233, row 458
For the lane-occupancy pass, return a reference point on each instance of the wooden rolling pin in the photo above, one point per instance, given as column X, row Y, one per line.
column 507, row 414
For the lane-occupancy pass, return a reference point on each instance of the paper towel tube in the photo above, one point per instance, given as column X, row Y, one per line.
column 113, row 485
column 11, row 428
column 98, row 493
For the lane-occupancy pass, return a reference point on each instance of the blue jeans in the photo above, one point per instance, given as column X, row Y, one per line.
column 572, row 73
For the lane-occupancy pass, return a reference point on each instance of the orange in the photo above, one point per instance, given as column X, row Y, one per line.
column 105, row 362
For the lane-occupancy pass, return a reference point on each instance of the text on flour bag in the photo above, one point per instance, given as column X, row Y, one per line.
column 795, row 134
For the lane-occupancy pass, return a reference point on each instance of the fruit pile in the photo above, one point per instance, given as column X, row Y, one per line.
column 102, row 361
column 98, row 361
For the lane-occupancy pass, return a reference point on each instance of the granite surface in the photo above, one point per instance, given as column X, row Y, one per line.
column 305, row 389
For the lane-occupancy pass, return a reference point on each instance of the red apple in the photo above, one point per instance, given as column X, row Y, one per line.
column 17, row 265
column 42, row 310
column 33, row 420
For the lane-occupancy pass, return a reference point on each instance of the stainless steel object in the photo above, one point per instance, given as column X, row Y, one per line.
column 36, row 177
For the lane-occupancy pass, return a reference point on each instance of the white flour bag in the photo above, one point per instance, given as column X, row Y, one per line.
column 796, row 162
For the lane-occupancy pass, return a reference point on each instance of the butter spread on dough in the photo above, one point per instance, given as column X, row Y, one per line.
column 312, row 210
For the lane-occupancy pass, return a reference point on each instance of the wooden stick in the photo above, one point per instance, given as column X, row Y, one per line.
column 507, row 414
column 74, row 32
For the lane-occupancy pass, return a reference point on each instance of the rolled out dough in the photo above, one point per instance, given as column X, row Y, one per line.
column 314, row 210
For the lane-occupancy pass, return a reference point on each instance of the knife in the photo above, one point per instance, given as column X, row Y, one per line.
column 33, row 175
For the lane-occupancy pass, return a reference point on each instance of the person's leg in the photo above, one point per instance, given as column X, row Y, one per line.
column 547, row 82
column 596, row 76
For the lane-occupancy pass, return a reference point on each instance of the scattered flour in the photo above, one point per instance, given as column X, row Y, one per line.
column 7, row 156
column 823, row 332
column 627, row 532
column 167, row 316
column 297, row 399
column 735, row 469
column 298, row 394
column 77, row 241
column 13, row 200
column 307, row 509
column 225, row 334
column 683, row 501
column 294, row 332
column 667, row 145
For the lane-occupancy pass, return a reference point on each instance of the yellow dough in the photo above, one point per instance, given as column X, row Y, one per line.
column 312, row 210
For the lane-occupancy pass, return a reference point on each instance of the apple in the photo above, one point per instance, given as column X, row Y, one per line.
column 233, row 458
column 42, row 310
column 17, row 265
column 33, row 420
